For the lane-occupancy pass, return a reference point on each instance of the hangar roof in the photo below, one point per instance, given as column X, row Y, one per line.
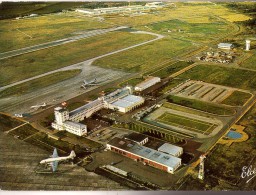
column 145, row 152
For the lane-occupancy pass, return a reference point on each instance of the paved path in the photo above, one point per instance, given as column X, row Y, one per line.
column 57, row 42
column 87, row 62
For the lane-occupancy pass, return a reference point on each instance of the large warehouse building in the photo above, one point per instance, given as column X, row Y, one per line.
column 150, row 81
column 144, row 154
column 121, row 100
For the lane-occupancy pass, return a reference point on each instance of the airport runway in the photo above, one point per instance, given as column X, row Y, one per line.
column 58, row 42
column 79, row 65
column 67, row 89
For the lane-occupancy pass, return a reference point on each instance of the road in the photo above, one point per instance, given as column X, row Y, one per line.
column 88, row 62
column 33, row 48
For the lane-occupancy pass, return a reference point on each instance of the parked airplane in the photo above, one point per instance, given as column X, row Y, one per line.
column 39, row 106
column 53, row 161
column 89, row 83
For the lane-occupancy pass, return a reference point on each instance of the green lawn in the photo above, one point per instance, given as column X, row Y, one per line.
column 145, row 57
column 231, row 77
column 200, row 105
column 25, row 66
column 187, row 123
column 237, row 98
column 39, row 83
column 170, row 69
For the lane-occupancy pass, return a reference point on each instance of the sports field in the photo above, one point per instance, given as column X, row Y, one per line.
column 187, row 123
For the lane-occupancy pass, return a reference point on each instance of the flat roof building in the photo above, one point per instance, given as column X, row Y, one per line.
column 144, row 154
column 225, row 46
column 171, row 149
column 150, row 81
column 137, row 138
column 127, row 103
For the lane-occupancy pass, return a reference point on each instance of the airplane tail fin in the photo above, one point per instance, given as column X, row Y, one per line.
column 72, row 154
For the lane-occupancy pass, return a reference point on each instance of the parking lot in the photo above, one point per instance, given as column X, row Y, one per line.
column 203, row 91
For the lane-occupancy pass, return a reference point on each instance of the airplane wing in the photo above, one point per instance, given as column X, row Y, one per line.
column 54, row 165
column 55, row 153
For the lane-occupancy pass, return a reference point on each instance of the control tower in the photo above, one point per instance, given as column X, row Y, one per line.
column 247, row 45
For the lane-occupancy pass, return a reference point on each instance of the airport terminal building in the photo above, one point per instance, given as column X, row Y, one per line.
column 121, row 100
column 145, row 155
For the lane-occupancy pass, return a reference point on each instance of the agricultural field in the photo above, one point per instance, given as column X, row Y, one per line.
column 187, row 123
column 237, row 98
column 243, row 79
column 35, row 30
column 170, row 68
column 46, row 60
column 200, row 105
column 35, row 84
column 141, row 59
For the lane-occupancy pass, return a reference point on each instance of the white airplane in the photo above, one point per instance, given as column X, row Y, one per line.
column 39, row 106
column 89, row 83
column 53, row 161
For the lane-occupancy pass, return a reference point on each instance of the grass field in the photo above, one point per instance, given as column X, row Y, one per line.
column 15, row 9
column 75, row 105
column 200, row 105
column 193, row 13
column 181, row 108
column 38, row 83
column 250, row 62
column 187, row 123
column 24, row 131
column 25, row 66
column 132, row 82
column 237, row 98
column 42, row 29
column 7, row 123
column 191, row 31
column 231, row 77
column 144, row 57
column 170, row 69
